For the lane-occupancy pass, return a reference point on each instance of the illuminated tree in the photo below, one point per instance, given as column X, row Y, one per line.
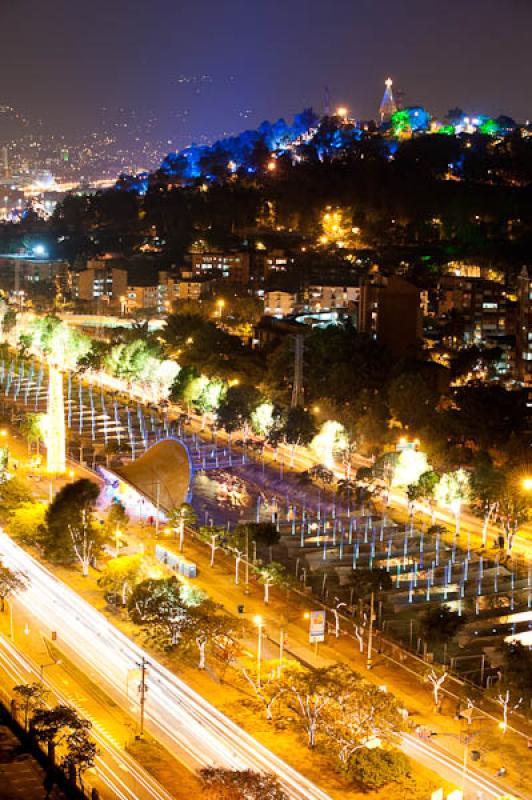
column 273, row 574
column 409, row 467
column 26, row 521
column 362, row 714
column 436, row 680
column 273, row 681
column 212, row 536
column 330, row 439
column 263, row 419
column 122, row 574
column 375, row 768
column 312, row 691
column 508, row 705
column 219, row 783
column 452, row 490
column 209, row 631
column 337, row 228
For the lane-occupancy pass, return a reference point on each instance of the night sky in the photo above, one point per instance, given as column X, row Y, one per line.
column 61, row 60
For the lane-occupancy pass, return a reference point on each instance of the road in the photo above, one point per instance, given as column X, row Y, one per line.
column 116, row 775
column 190, row 727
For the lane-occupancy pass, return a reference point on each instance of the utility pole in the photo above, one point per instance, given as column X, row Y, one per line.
column 142, row 691
column 370, row 631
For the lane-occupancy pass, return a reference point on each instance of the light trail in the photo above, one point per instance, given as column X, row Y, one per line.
column 179, row 717
column 111, row 761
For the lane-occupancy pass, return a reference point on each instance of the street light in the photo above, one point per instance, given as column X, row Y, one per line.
column 42, row 667
column 527, row 484
column 220, row 303
column 259, row 623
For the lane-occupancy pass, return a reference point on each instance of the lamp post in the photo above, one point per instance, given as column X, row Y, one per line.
column 259, row 623
column 42, row 667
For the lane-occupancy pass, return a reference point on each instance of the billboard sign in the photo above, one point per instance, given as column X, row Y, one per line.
column 316, row 631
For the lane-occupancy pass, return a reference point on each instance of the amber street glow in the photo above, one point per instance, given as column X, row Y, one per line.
column 188, row 725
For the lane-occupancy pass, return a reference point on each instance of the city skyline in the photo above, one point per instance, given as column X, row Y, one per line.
column 206, row 72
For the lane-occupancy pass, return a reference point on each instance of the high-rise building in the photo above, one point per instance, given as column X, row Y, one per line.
column 390, row 312
column 523, row 339
column 388, row 106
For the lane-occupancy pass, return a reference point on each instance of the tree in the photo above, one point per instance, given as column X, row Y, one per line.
column 508, row 704
column 412, row 400
column 273, row 574
column 121, row 575
column 486, row 487
column 311, row 691
column 376, row 768
column 30, row 696
column 179, row 518
column 361, row 714
column 69, row 531
column 208, row 631
column 513, row 508
column 11, row 581
column 436, row 680
column 299, row 428
column 263, row 533
column 80, row 755
column 236, row 408
column 158, row 607
column 26, row 522
column 225, row 784
column 117, row 519
column 31, row 428
column 440, row 623
column 54, row 725
column 13, row 493
column 273, row 681
column 212, row 536
column 452, row 491
column 423, row 488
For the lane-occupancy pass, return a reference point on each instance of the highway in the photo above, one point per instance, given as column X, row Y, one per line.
column 190, row 727
column 116, row 775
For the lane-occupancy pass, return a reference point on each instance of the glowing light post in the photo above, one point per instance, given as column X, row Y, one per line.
column 55, row 422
